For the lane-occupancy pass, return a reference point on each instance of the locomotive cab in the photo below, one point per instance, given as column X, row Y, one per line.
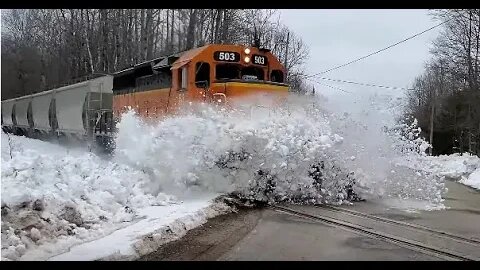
column 229, row 74
column 216, row 73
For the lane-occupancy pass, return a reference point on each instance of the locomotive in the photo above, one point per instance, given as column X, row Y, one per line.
column 88, row 109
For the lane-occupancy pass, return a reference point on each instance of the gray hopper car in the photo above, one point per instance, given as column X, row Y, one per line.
column 82, row 110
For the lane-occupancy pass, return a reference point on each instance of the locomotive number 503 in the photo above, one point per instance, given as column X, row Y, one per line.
column 226, row 56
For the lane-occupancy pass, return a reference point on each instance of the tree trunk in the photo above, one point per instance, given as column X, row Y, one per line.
column 172, row 31
column 148, row 45
column 135, row 44
column 218, row 21
column 142, row 41
column 225, row 25
column 469, row 52
column 117, row 39
column 191, row 29
column 87, row 41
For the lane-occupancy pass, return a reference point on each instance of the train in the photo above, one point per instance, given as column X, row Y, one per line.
column 88, row 109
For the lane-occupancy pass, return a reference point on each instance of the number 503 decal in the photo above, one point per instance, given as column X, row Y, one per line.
column 260, row 60
column 226, row 56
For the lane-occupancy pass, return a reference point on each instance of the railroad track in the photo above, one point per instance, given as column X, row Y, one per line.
column 426, row 240
column 405, row 224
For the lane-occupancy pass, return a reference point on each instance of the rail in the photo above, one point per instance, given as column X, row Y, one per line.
column 368, row 231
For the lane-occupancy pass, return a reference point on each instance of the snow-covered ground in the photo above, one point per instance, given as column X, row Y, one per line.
column 464, row 168
column 473, row 180
column 55, row 198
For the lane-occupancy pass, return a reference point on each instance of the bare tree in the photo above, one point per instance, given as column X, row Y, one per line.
column 450, row 84
column 46, row 47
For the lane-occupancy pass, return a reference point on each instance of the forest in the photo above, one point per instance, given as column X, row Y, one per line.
column 445, row 99
column 45, row 48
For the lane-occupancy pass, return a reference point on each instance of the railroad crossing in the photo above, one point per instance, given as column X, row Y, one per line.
column 372, row 230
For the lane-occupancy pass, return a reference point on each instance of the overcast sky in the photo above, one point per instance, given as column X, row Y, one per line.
column 336, row 37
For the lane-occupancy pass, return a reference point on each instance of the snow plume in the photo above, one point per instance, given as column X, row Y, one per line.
column 258, row 153
column 386, row 151
column 305, row 151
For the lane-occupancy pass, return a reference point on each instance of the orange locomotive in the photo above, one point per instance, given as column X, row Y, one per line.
column 212, row 73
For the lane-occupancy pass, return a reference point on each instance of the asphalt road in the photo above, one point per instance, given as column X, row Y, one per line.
column 269, row 234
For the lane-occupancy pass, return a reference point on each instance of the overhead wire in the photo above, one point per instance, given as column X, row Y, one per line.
column 333, row 87
column 378, row 51
column 366, row 84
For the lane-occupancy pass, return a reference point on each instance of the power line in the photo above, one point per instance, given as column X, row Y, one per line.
column 366, row 84
column 381, row 50
column 333, row 87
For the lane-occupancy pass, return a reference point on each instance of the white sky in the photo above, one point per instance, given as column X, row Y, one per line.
column 336, row 37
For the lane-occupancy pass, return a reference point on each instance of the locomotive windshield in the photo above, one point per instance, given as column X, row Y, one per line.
column 236, row 72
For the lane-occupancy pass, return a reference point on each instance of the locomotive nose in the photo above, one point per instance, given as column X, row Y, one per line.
column 258, row 92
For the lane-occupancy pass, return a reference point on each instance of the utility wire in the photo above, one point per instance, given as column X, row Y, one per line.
column 366, row 84
column 333, row 87
column 381, row 50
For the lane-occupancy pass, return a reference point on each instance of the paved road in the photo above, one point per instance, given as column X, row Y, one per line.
column 267, row 234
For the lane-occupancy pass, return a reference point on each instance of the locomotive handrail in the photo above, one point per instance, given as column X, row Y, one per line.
column 249, row 81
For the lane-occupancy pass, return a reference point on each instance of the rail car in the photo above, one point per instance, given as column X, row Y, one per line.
column 81, row 110
column 156, row 88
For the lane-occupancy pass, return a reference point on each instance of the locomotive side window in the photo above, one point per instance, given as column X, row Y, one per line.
column 182, row 77
column 276, row 76
column 155, row 81
column 202, row 74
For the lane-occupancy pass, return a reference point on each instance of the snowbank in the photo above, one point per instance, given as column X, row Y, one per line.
column 54, row 198
column 156, row 225
column 454, row 166
column 463, row 168
column 473, row 180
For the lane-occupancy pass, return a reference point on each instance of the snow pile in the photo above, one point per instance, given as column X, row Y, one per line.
column 473, row 179
column 455, row 166
column 156, row 225
column 55, row 198
column 464, row 168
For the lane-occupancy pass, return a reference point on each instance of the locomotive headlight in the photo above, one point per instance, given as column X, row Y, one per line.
column 247, row 59
column 247, row 51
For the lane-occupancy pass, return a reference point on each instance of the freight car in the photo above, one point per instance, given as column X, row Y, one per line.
column 155, row 88
column 81, row 110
